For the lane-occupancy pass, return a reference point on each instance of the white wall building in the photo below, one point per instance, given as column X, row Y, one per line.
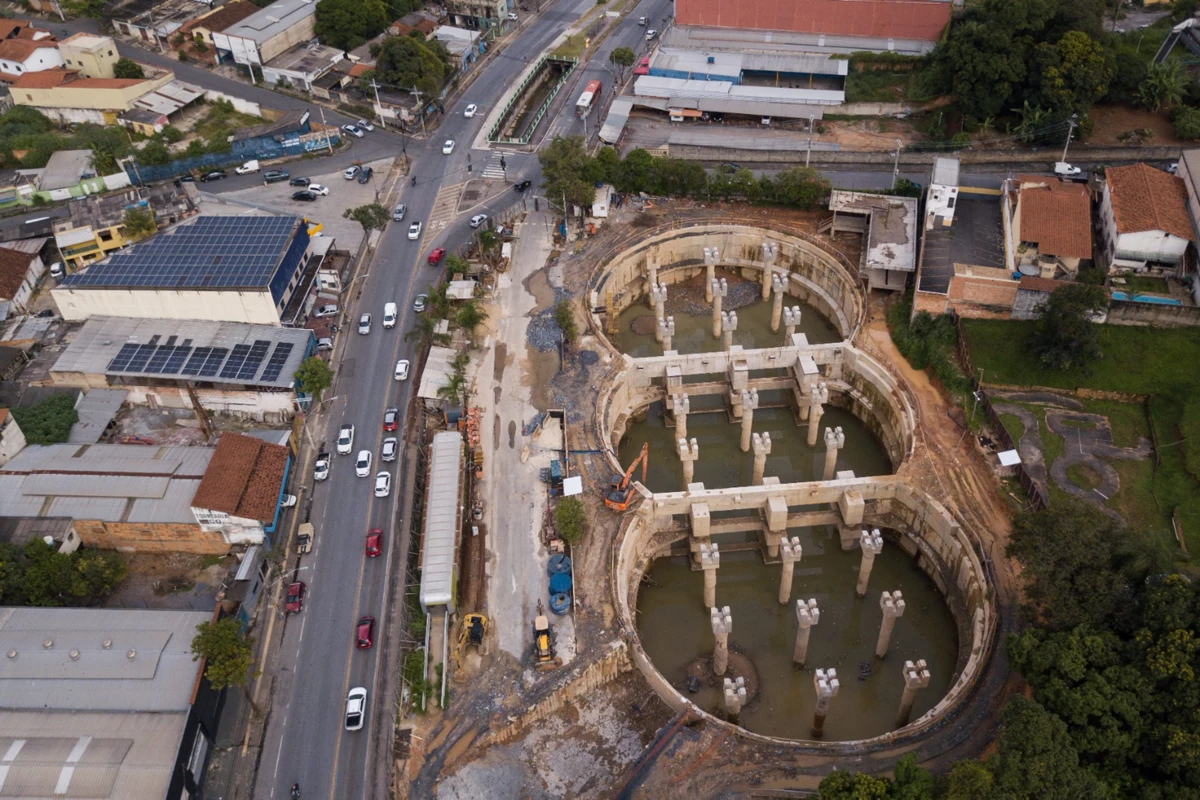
column 1143, row 213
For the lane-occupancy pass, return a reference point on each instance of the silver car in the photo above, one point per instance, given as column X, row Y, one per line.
column 387, row 452
column 364, row 324
column 356, row 708
column 399, row 212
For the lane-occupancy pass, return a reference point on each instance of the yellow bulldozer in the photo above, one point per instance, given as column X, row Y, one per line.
column 470, row 634
column 543, row 641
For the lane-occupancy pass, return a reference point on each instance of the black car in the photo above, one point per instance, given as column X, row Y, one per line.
column 215, row 175
column 299, row 182
column 275, row 175
column 523, row 185
column 304, row 195
column 187, row 179
column 365, row 174
column 729, row 166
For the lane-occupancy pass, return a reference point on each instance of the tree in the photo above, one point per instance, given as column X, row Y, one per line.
column 986, row 67
column 457, row 387
column 800, row 187
column 1074, row 73
column 155, row 154
column 139, row 223
column 570, row 520
column 39, row 575
column 565, row 319
column 170, row 134
column 853, row 786
column 47, row 422
column 563, row 162
column 314, row 376
column 372, row 217
column 1036, row 759
column 622, row 58
column 1064, row 336
column 347, row 24
column 423, row 330
column 228, row 656
column 1164, row 85
column 407, row 62
column 1069, row 554
column 85, row 8
column 1187, row 123
column 969, row 780
column 909, row 781
column 128, row 69
column 469, row 317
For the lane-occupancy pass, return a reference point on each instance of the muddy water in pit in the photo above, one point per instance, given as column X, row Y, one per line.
column 693, row 332
column 722, row 462
column 675, row 631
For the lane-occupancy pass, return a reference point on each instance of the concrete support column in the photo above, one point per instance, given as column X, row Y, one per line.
column 710, row 561
column 892, row 604
column 761, row 442
column 872, row 545
column 770, row 251
column 652, row 272
column 825, row 681
column 916, row 677
column 777, row 284
column 722, row 626
column 735, row 697
column 718, row 288
column 834, row 440
column 789, row 552
column 658, row 299
column 807, row 615
column 749, row 403
column 688, row 453
column 666, row 330
column 682, row 406
column 711, row 257
column 729, row 324
column 817, row 398
column 791, row 321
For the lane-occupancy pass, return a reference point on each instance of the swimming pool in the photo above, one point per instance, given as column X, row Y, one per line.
column 1147, row 298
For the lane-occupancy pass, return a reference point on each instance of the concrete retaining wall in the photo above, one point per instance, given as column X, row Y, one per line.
column 1127, row 312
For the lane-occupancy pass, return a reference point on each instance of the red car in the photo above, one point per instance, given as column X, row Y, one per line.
column 374, row 542
column 364, row 633
column 295, row 598
column 436, row 256
column 391, row 418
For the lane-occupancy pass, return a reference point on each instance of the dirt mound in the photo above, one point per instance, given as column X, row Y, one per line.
column 740, row 666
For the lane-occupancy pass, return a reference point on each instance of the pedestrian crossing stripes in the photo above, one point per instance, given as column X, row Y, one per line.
column 493, row 170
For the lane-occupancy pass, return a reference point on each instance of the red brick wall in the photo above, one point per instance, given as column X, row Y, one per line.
column 148, row 537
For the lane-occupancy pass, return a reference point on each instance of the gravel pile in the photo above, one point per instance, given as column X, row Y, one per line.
column 543, row 334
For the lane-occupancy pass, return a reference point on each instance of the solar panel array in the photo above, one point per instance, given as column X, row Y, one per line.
column 239, row 364
column 214, row 252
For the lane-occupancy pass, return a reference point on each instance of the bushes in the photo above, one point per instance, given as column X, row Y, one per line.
column 1187, row 123
column 928, row 343
column 47, row 422
column 565, row 320
column 570, row 519
column 39, row 575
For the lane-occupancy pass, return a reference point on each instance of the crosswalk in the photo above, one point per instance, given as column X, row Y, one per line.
column 492, row 170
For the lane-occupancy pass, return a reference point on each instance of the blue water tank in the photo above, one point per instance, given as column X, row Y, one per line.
column 559, row 562
column 712, row 60
column 559, row 603
column 560, row 583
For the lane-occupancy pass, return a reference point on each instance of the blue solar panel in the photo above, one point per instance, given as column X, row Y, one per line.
column 196, row 361
column 139, row 359
column 236, row 359
column 253, row 360
column 215, row 357
column 121, row 360
column 275, row 365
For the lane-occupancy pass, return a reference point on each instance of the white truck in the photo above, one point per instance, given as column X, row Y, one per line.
column 248, row 167
column 1066, row 170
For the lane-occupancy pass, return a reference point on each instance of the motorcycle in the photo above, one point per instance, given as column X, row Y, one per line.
column 295, row 791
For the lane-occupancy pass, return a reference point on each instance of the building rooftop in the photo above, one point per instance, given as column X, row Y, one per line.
column 750, row 40
column 734, row 62
column 20, row 49
column 678, row 92
column 88, row 41
column 272, row 20
column 443, row 497
column 309, row 58
column 892, row 236
column 211, row 253
column 168, row 99
column 900, row 19
column 945, row 171
column 104, row 211
column 108, row 482
column 96, row 409
column 225, row 16
column 14, row 266
column 244, row 479
column 1148, row 199
column 65, row 169
column 54, row 78
column 456, row 40
column 18, row 531
column 234, row 353
column 1057, row 216
column 976, row 238
column 436, row 372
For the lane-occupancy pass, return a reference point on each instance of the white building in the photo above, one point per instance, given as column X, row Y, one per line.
column 262, row 36
column 22, row 56
column 1144, row 216
column 12, row 440
column 943, row 193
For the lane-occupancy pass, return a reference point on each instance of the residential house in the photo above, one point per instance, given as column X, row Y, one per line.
column 421, row 21
column 302, row 65
column 90, row 54
column 202, row 28
column 262, row 36
column 1189, row 173
column 1050, row 224
column 888, row 226
column 105, row 703
column 1145, row 221
column 12, row 440
column 478, row 14
column 58, row 531
column 242, row 490
column 66, row 95
column 65, row 169
column 155, row 21
column 462, row 44
column 25, row 49
column 95, row 225
column 20, row 273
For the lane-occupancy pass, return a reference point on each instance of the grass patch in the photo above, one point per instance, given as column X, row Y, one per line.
column 1138, row 283
column 1083, row 476
column 878, row 86
column 221, row 121
column 210, row 561
column 571, row 48
column 1078, row 423
column 1014, row 426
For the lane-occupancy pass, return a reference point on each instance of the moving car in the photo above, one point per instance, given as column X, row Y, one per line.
column 321, row 468
column 248, row 167
column 362, row 124
column 374, row 542
column 389, row 315
column 470, row 110
column 304, row 196
column 650, row 34
column 414, row 231
column 353, row 131
column 478, row 220
column 1063, row 168
column 436, row 255
column 356, row 708
column 364, row 324
column 275, row 175
column 317, row 188
column 364, row 633
column 419, row 303
column 399, row 211
column 391, row 419
column 214, row 175
column 301, row 182
column 351, row 172
column 643, row 20
column 523, row 185
column 402, row 369
column 387, row 451
column 345, row 440
column 362, row 464
column 383, row 484
column 325, row 311
column 304, row 538
column 294, row 603
column 365, row 174
column 448, row 147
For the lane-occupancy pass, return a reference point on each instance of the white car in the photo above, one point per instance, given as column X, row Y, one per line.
column 478, row 220
column 388, row 451
column 364, row 324
column 470, row 110
column 345, row 440
column 414, row 231
column 317, row 188
column 448, row 147
column 650, row 34
column 353, row 131
column 362, row 464
column 402, row 369
column 362, row 124
column 356, row 708
column 247, row 168
column 321, row 469
column 383, row 484
column 389, row 315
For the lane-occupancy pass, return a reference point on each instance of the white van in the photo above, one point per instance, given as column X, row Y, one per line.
column 389, row 315
column 248, row 167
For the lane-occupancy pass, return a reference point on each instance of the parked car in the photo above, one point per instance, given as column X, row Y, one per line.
column 387, row 451
column 362, row 464
column 650, row 34
column 345, row 440
column 512, row 16
column 470, row 110
column 414, row 231
column 57, row 271
column 248, row 167
column 275, row 175
column 478, row 220
column 324, row 343
column 448, row 147
column 523, row 185
column 419, row 303
column 362, row 124
column 317, row 188
column 364, row 633
column 304, row 196
column 383, row 484
column 1065, row 169
column 294, row 603
column 351, row 172
column 391, row 419
column 304, row 538
column 214, row 175
column 364, row 324
column 365, row 174
column 436, row 255
column 402, row 369
column 356, row 708
column 289, row 501
column 301, row 182
column 325, row 311
column 189, row 178
column 729, row 166
column 353, row 131
column 374, row 544
column 321, row 468
column 399, row 211
column 389, row 315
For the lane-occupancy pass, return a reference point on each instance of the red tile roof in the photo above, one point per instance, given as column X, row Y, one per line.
column 1058, row 218
column 898, row 19
column 20, row 49
column 358, row 70
column 243, row 478
column 14, row 266
column 12, row 27
column 1148, row 199
column 1033, row 284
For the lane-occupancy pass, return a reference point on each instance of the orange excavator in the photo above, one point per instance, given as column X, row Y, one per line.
column 620, row 491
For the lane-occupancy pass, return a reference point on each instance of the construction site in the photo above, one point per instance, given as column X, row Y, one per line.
column 786, row 554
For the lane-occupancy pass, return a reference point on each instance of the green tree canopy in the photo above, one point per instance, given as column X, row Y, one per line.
column 1035, row 758
column 1164, row 86
column 128, row 68
column 1064, row 336
column 314, row 376
column 228, row 655
column 570, row 519
column 39, row 575
column 139, row 223
column 622, row 58
column 409, row 62
column 155, row 154
column 986, row 67
column 1070, row 75
column 372, row 217
column 347, row 24
column 563, row 162
column 47, row 422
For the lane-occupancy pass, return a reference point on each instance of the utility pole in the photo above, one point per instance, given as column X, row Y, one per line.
column 896, row 168
column 808, row 155
column 378, row 105
column 1070, row 130
column 324, row 127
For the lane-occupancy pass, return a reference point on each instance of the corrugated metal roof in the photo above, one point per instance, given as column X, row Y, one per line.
column 436, row 372
column 49, row 485
column 614, row 123
column 174, row 506
column 766, row 96
column 443, row 499
column 96, row 409
column 734, row 62
column 915, row 19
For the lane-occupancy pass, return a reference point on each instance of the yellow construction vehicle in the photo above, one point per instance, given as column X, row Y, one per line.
column 543, row 641
column 620, row 490
column 470, row 634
